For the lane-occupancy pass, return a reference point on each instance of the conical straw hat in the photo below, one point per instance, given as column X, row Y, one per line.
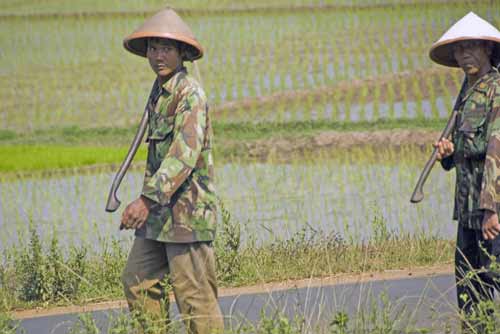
column 470, row 27
column 164, row 24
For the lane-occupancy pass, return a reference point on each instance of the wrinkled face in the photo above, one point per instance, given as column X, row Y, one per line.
column 163, row 55
column 472, row 55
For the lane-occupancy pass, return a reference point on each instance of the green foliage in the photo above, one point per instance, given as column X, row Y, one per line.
column 85, row 325
column 33, row 275
column 8, row 325
column 379, row 316
column 19, row 158
column 485, row 314
column 105, row 275
column 338, row 325
column 45, row 275
column 7, row 134
column 279, row 323
column 380, row 231
column 227, row 246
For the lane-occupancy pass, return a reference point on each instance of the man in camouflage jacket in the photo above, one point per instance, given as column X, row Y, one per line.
column 175, row 216
column 474, row 152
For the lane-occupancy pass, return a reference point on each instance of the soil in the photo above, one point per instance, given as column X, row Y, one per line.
column 331, row 140
column 359, row 278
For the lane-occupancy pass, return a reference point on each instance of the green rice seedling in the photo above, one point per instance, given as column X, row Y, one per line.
column 429, row 86
column 289, row 58
column 418, row 98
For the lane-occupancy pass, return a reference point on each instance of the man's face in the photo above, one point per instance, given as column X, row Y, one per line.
column 163, row 56
column 472, row 55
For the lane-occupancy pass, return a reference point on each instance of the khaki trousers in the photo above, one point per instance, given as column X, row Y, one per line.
column 190, row 268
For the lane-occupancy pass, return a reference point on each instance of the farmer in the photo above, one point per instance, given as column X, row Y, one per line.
column 474, row 150
column 175, row 216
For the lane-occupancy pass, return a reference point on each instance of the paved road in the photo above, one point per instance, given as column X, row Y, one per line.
column 422, row 299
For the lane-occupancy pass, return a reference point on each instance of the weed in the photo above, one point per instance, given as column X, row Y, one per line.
column 278, row 323
column 227, row 247
column 85, row 325
column 339, row 323
column 9, row 326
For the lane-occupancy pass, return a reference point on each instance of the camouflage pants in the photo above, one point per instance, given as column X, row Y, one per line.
column 191, row 270
column 469, row 258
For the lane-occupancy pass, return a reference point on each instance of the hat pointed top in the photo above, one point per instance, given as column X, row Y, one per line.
column 164, row 24
column 469, row 27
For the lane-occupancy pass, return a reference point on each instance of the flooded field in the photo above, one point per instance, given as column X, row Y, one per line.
column 260, row 54
column 328, row 194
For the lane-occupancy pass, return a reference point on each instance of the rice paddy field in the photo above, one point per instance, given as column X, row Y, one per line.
column 338, row 63
column 267, row 63
column 63, row 66
column 268, row 199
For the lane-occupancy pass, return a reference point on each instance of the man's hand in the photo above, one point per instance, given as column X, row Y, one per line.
column 136, row 213
column 445, row 148
column 490, row 226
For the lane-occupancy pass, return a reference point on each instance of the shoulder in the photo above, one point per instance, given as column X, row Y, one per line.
column 188, row 87
column 494, row 87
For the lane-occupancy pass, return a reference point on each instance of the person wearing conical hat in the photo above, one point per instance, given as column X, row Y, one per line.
column 175, row 216
column 473, row 44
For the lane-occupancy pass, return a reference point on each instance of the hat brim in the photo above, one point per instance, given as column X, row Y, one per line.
column 137, row 44
column 442, row 52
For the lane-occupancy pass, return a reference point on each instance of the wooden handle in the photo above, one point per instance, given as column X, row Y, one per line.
column 418, row 193
column 113, row 202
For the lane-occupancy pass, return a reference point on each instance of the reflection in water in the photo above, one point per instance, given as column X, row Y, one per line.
column 267, row 199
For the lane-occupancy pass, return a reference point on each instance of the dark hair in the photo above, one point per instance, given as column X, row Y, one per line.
column 185, row 50
column 495, row 55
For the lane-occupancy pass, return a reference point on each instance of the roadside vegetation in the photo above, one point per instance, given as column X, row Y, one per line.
column 38, row 273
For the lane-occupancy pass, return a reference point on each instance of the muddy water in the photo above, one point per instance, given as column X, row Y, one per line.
column 268, row 200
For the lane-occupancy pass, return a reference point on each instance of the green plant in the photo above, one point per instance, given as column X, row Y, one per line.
column 278, row 323
column 47, row 275
column 9, row 326
column 85, row 325
column 380, row 231
column 227, row 246
column 339, row 323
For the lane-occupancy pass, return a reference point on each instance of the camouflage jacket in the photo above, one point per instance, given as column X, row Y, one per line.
column 179, row 171
column 476, row 138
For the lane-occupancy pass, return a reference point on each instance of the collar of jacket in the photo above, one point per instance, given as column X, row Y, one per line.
column 171, row 83
column 482, row 85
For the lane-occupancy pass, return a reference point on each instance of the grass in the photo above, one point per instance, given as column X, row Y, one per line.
column 39, row 158
column 41, row 273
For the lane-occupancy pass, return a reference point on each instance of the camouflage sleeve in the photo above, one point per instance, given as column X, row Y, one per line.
column 490, row 187
column 189, row 131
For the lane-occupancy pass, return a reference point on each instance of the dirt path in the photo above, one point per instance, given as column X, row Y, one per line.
column 418, row 272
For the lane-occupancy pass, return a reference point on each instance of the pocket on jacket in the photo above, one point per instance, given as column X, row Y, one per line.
column 161, row 127
column 473, row 133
